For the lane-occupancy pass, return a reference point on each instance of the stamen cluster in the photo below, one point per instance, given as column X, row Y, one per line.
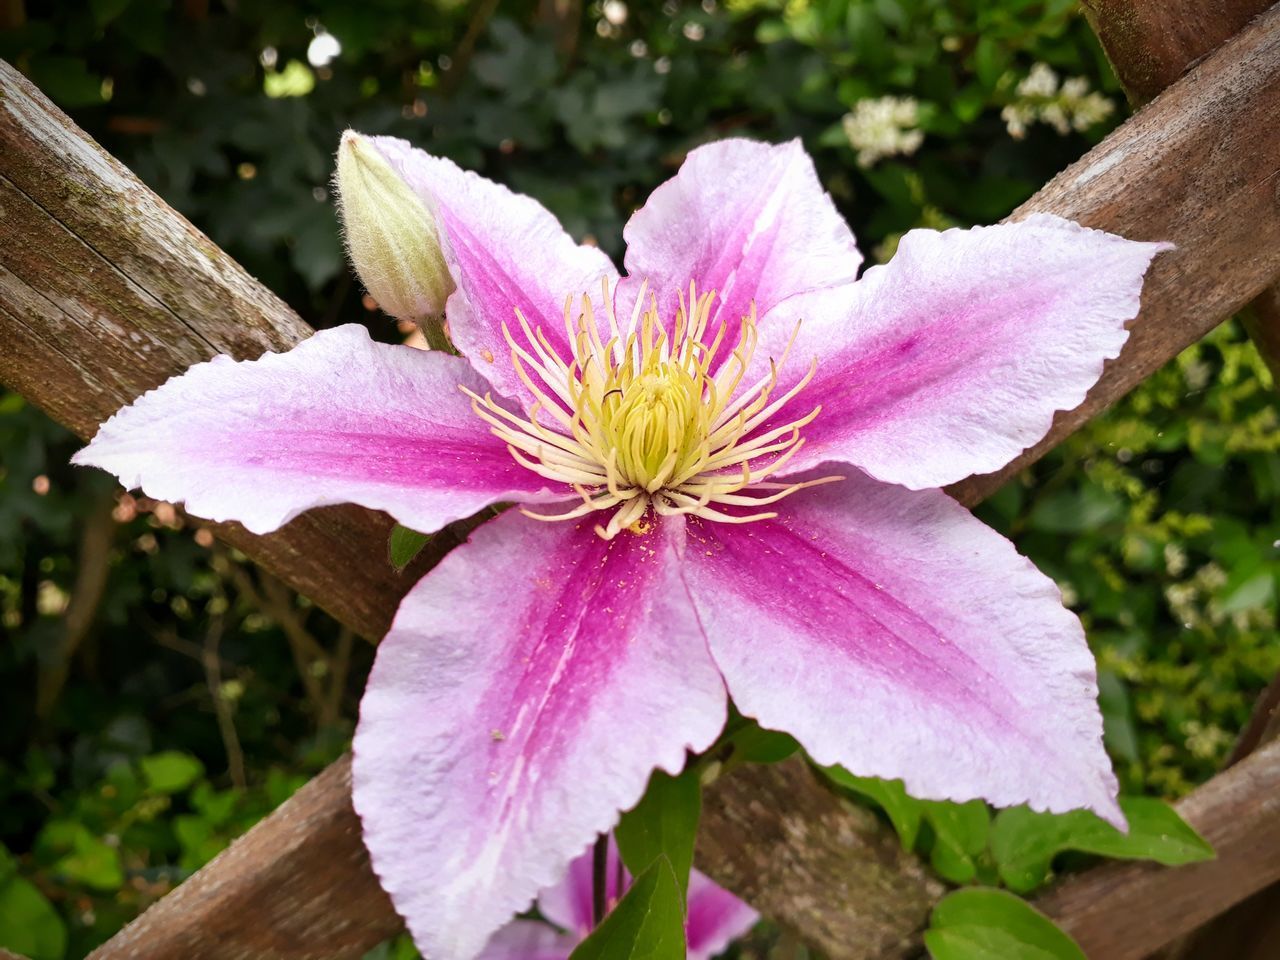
column 646, row 420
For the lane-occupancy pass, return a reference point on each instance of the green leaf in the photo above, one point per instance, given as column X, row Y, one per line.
column 960, row 834
column 903, row 811
column 1076, row 511
column 647, row 924
column 295, row 80
column 67, row 81
column 1024, row 842
column 985, row 924
column 29, row 924
column 752, row 743
column 404, row 545
column 92, row 862
column 663, row 824
column 171, row 771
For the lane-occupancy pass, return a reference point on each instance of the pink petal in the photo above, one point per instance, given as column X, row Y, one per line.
column 749, row 220
column 506, row 253
column 338, row 419
column 528, row 940
column 528, row 687
column 716, row 918
column 952, row 359
column 894, row 634
column 570, row 903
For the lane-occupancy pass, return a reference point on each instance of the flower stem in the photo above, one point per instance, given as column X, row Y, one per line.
column 433, row 330
column 599, row 867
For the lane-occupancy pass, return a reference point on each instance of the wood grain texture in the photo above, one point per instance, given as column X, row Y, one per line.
column 1262, row 320
column 769, row 831
column 106, row 292
column 1152, row 43
column 1124, row 911
column 1195, row 167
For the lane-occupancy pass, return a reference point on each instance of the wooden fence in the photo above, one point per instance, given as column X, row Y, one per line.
column 105, row 292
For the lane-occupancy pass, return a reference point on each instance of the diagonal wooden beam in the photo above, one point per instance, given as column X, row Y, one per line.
column 1152, row 43
column 1195, row 167
column 1125, row 911
column 106, row 292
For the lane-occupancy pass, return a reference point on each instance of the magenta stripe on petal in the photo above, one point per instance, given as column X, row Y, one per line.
column 528, row 687
column 506, row 252
column 748, row 220
column 337, row 419
column 894, row 634
column 953, row 358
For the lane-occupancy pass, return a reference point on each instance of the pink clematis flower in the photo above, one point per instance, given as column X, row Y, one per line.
column 728, row 465
column 713, row 920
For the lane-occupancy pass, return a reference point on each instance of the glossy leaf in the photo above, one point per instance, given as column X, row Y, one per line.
column 960, row 834
column 985, row 924
column 752, row 743
column 647, row 923
column 404, row 545
column 1024, row 842
column 663, row 825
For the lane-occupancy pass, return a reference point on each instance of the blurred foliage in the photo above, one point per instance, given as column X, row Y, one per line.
column 161, row 695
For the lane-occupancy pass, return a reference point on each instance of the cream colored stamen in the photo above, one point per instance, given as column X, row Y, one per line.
column 639, row 421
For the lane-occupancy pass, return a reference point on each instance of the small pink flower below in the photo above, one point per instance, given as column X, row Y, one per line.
column 714, row 920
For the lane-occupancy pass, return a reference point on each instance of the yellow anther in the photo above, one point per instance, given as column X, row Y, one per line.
column 641, row 419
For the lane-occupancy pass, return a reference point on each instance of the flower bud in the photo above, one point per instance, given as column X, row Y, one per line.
column 391, row 236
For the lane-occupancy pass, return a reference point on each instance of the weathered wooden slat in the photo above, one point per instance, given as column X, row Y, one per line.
column 106, row 292
column 1234, row 94
column 1262, row 320
column 303, row 893
column 1152, row 43
column 1124, row 911
column 824, row 868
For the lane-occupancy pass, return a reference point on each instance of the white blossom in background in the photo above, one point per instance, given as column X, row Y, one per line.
column 1067, row 105
column 883, row 127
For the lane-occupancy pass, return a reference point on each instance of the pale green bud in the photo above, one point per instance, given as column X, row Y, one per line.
column 391, row 236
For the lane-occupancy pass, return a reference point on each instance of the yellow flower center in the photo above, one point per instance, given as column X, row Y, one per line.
column 641, row 419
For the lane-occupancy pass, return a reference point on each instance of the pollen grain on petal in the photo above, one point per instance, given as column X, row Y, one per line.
column 640, row 419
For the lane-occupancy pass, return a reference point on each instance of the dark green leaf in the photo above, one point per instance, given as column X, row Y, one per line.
column 404, row 545
column 960, row 833
column 985, row 924
column 1024, row 842
column 647, row 924
column 752, row 743
column 663, row 824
